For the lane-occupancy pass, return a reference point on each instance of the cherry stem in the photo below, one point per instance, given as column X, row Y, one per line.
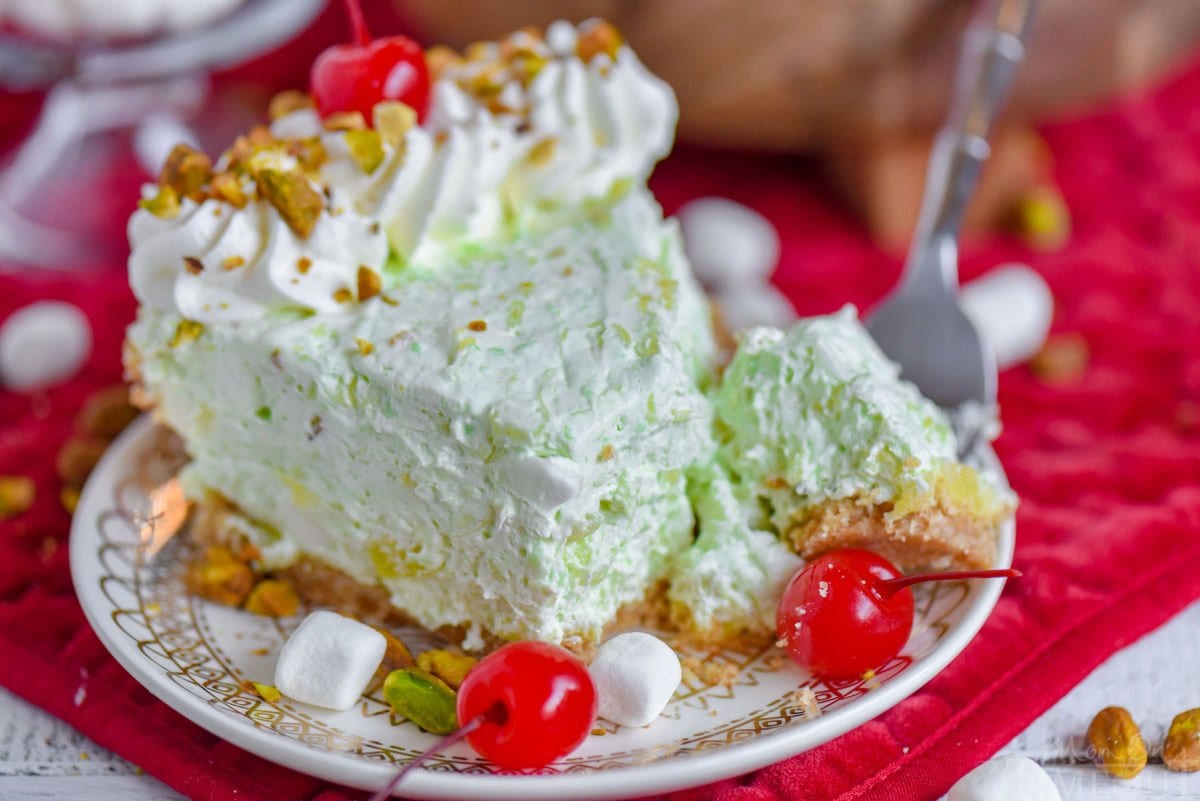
column 357, row 22
column 496, row 714
column 891, row 586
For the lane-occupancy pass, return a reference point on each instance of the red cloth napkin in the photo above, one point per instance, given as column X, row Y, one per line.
column 1107, row 467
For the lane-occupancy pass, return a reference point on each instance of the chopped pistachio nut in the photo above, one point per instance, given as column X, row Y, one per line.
column 345, row 121
column 107, row 412
column 486, row 83
column 369, row 283
column 542, row 152
column 77, row 458
column 164, row 205
column 186, row 170
column 218, row 575
column 267, row 692
column 366, row 148
column 233, row 262
column 365, row 348
column 293, row 197
column 440, row 58
column 186, row 331
column 448, row 666
column 396, row 655
column 606, row 453
column 228, row 187
column 601, row 37
column 286, row 102
column 309, row 153
column 273, row 598
column 393, row 121
column 526, row 64
column 16, row 495
column 422, row 698
column 69, row 498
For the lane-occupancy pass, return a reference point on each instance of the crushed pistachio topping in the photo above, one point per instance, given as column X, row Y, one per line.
column 187, row 171
column 543, row 152
column 233, row 262
column 219, row 575
column 309, row 153
column 228, row 187
column 293, row 197
column 273, row 598
column 601, row 37
column 369, row 283
column 286, row 102
column 448, row 666
column 186, row 331
column 164, row 204
column 422, row 698
column 606, row 453
column 16, row 495
column 393, row 120
column 365, row 348
column 267, row 692
column 345, row 121
column 396, row 653
column 366, row 148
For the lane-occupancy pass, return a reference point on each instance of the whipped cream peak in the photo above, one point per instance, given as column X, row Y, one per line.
column 520, row 133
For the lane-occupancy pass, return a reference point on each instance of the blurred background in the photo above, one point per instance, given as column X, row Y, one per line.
column 93, row 88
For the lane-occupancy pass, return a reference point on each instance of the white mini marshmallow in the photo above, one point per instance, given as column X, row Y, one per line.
column 729, row 245
column 546, row 482
column 42, row 344
column 328, row 660
column 1006, row 778
column 635, row 675
column 1012, row 308
column 760, row 304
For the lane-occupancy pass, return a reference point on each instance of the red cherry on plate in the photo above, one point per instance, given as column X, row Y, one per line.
column 538, row 700
column 354, row 77
column 850, row 611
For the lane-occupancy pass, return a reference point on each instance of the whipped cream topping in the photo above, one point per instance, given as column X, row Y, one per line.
column 505, row 148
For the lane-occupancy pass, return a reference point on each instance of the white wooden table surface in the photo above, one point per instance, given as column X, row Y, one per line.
column 43, row 758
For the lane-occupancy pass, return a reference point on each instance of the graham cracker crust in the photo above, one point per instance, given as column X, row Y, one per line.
column 320, row 584
column 934, row 539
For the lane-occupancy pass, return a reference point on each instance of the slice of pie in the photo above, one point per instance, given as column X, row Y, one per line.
column 460, row 370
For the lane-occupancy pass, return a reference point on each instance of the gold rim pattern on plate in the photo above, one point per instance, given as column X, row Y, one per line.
column 140, row 559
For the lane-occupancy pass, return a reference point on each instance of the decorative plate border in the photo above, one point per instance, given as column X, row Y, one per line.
column 137, row 562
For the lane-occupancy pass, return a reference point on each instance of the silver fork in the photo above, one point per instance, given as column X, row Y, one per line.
column 920, row 324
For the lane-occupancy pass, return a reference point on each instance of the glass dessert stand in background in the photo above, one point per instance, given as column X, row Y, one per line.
column 152, row 86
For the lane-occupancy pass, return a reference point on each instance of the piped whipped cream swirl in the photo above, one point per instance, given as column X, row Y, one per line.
column 519, row 134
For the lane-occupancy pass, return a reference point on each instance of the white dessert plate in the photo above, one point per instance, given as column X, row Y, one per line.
column 198, row 657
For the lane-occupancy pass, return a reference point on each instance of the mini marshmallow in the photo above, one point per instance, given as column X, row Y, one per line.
column 729, row 245
column 1006, row 778
column 42, row 344
column 635, row 675
column 755, row 305
column 546, row 482
column 1011, row 308
column 328, row 661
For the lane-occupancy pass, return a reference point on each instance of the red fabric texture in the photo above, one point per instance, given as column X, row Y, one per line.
column 1107, row 467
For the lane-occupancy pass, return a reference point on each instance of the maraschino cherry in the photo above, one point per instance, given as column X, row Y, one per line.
column 354, row 77
column 522, row 706
column 849, row 611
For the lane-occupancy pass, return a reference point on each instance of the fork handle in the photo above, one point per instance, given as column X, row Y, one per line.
column 993, row 46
